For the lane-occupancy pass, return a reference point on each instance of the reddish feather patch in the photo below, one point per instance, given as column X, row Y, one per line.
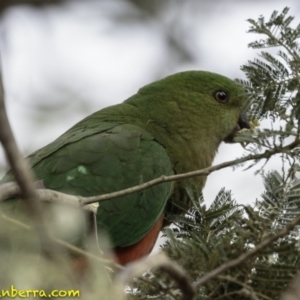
column 143, row 247
column 124, row 255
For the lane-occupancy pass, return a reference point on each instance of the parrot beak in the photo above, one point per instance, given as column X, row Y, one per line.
column 241, row 124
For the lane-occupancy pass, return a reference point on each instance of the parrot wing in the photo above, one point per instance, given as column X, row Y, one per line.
column 119, row 157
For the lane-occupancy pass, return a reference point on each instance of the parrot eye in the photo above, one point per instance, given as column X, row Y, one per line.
column 221, row 96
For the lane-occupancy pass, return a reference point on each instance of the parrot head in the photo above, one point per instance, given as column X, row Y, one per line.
column 196, row 105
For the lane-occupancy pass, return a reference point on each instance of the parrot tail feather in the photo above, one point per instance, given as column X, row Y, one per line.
column 143, row 247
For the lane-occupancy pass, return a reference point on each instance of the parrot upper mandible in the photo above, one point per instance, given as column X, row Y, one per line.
column 171, row 126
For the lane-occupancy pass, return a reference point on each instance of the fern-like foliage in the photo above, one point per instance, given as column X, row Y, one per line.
column 208, row 237
column 273, row 86
column 273, row 80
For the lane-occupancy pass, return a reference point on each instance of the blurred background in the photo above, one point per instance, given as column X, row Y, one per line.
column 63, row 60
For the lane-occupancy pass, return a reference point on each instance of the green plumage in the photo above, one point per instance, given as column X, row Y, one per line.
column 171, row 126
column 122, row 156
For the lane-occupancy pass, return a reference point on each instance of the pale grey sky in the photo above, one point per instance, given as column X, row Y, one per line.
column 62, row 63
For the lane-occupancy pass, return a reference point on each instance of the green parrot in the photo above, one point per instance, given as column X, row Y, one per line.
column 171, row 126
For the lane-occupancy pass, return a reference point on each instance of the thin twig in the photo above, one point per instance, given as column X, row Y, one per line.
column 267, row 154
column 66, row 245
column 245, row 286
column 161, row 261
column 23, row 176
column 9, row 190
column 243, row 257
column 162, row 286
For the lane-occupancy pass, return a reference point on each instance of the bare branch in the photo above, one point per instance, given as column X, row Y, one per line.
column 9, row 189
column 238, row 261
column 62, row 243
column 247, row 289
column 204, row 172
column 161, row 261
column 23, row 176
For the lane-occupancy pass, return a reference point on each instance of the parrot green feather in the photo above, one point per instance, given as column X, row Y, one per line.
column 171, row 126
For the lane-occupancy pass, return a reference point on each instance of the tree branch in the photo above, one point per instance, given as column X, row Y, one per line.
column 204, row 172
column 247, row 288
column 8, row 190
column 23, row 176
column 160, row 261
column 238, row 261
column 64, row 244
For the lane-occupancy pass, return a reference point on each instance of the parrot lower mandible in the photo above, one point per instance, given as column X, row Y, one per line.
column 171, row 126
